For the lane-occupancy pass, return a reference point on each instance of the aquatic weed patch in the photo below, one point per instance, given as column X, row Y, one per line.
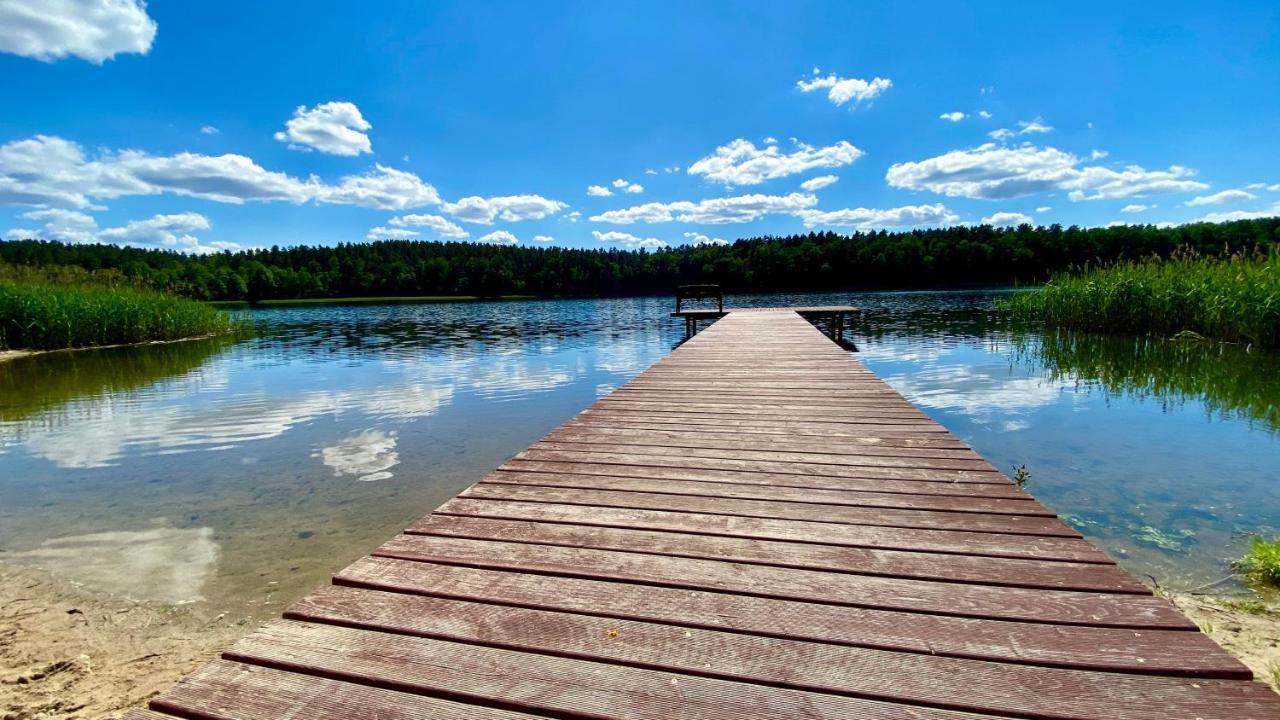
column 1236, row 299
column 47, row 316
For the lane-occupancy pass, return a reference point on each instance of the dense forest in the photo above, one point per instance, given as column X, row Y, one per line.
column 948, row 257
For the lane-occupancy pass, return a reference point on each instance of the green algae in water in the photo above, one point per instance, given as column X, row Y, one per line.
column 1175, row 542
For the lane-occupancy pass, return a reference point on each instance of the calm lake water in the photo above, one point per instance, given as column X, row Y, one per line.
column 241, row 474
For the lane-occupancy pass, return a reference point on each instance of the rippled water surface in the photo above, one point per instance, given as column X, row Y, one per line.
column 241, row 474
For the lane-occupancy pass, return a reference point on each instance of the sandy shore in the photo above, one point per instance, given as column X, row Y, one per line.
column 66, row 655
column 1244, row 626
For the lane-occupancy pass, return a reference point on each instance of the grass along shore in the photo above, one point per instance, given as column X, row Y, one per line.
column 36, row 315
column 1234, row 299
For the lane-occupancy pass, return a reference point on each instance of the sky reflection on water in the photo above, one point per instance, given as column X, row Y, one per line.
column 263, row 466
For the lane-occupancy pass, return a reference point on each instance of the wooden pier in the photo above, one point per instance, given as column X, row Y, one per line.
column 754, row 527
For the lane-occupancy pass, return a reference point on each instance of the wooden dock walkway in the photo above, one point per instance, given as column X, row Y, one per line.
column 754, row 527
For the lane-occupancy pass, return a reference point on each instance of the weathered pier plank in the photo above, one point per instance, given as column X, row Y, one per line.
column 756, row 526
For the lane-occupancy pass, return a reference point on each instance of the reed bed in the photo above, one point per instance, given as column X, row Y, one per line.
column 1233, row 299
column 47, row 316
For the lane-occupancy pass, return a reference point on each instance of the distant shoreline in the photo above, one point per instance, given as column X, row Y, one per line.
column 388, row 299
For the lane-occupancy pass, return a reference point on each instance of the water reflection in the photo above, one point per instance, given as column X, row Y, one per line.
column 169, row 565
column 1227, row 380
column 250, row 455
column 369, row 455
column 297, row 450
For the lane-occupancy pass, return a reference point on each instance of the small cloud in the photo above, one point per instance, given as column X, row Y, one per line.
column 573, row 217
column 954, row 116
column 333, row 128
column 439, row 225
column 1033, row 126
column 700, row 239
column 1219, row 198
column 598, row 191
column 386, row 233
column 624, row 238
column 819, row 182
column 1098, row 154
column 209, row 130
column 986, row 90
column 628, row 187
column 1008, row 219
column 842, row 90
column 984, row 114
column 1043, row 209
column 770, row 140
column 543, row 238
column 499, row 237
column 1000, row 134
column 1137, row 208
column 650, row 171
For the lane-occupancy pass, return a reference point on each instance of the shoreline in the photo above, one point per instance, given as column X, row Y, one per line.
column 67, row 653
column 358, row 300
column 7, row 355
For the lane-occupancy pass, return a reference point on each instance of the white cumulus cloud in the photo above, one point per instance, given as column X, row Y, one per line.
column 842, row 90
column 384, row 188
column 818, row 183
column 1000, row 134
column 334, row 128
column 742, row 163
column 167, row 232
column 1136, row 208
column 1221, row 217
column 48, row 170
column 984, row 114
column 993, row 172
column 93, row 30
column 954, row 116
column 543, row 238
column 440, row 226
column 392, row 233
column 615, row 236
column 512, row 208
column 628, row 186
column 699, row 239
column 1220, row 198
column 736, row 209
column 598, row 191
column 499, row 237
column 1008, row 219
column 878, row 218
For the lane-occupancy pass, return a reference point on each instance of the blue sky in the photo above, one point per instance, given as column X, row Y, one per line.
column 218, row 125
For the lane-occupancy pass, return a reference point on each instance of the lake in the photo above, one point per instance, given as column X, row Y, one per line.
column 240, row 474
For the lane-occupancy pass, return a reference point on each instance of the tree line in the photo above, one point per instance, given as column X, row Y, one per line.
column 944, row 257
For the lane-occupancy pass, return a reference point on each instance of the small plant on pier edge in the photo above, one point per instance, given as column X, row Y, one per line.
column 1261, row 563
column 1021, row 475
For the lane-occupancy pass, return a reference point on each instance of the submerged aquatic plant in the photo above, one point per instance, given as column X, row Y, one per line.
column 1021, row 476
column 1261, row 563
column 1174, row 542
column 1236, row 299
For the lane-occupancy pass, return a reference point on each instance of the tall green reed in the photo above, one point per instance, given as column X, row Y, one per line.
column 1236, row 299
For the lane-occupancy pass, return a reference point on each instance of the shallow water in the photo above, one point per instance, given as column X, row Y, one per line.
column 241, row 474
